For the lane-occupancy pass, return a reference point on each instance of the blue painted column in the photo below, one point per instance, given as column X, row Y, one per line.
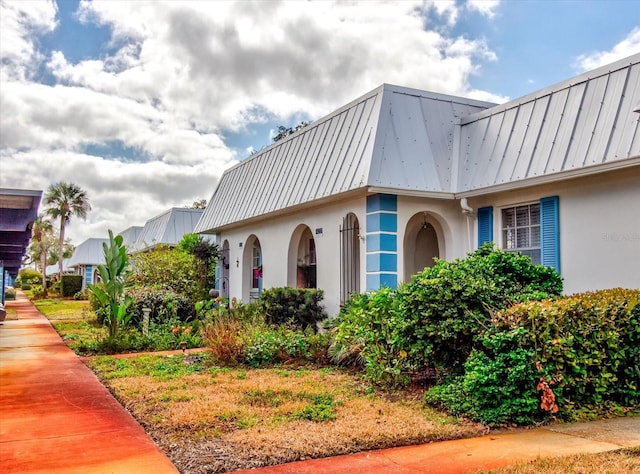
column 382, row 241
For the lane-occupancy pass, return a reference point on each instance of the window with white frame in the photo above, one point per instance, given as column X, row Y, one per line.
column 521, row 230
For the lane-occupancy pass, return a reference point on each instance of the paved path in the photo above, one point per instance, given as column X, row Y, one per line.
column 55, row 415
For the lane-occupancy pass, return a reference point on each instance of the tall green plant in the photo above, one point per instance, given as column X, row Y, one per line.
column 110, row 292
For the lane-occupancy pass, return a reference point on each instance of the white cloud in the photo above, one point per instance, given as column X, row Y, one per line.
column 628, row 46
column 19, row 23
column 485, row 7
column 178, row 75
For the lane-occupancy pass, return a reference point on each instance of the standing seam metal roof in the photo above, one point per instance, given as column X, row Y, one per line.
column 585, row 121
column 379, row 139
column 167, row 228
column 89, row 252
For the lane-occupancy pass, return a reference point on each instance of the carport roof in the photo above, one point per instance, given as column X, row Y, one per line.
column 18, row 211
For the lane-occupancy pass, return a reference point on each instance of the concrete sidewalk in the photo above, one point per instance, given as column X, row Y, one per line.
column 473, row 454
column 55, row 415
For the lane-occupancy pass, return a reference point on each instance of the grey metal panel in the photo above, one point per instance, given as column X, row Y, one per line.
column 589, row 115
column 529, row 147
column 494, row 174
column 89, row 252
column 514, row 150
column 625, row 137
column 548, row 134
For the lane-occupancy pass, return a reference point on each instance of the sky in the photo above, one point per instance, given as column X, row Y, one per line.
column 144, row 104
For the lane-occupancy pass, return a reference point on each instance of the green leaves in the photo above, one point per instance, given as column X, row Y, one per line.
column 110, row 292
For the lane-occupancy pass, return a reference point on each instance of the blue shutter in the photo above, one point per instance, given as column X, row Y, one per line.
column 485, row 225
column 550, row 232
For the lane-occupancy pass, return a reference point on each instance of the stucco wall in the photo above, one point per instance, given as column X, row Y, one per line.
column 599, row 227
column 275, row 237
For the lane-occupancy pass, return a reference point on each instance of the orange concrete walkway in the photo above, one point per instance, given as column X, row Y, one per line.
column 55, row 415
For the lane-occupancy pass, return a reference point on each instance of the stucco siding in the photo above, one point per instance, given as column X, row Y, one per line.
column 599, row 219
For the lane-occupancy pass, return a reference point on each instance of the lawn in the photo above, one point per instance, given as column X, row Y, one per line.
column 55, row 309
column 214, row 419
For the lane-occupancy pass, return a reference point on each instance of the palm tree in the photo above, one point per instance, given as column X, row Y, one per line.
column 43, row 238
column 66, row 200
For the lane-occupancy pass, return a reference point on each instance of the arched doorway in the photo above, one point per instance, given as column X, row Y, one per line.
column 96, row 277
column 302, row 265
column 224, row 274
column 252, row 269
column 349, row 257
column 422, row 243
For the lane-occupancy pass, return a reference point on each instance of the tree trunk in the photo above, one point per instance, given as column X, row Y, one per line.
column 61, row 247
column 43, row 264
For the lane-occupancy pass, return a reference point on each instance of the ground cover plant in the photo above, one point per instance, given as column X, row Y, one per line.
column 623, row 461
column 210, row 418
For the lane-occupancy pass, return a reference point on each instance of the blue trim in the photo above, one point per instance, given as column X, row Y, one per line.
column 382, row 262
column 550, row 232
column 380, row 222
column 382, row 202
column 88, row 275
column 382, row 243
column 485, row 225
column 375, row 281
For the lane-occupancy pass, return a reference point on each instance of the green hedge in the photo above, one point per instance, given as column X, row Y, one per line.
column 70, row 285
column 567, row 357
column 164, row 304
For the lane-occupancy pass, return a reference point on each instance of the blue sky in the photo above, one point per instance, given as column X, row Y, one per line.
column 144, row 104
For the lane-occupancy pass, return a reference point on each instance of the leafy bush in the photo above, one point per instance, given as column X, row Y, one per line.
column 299, row 306
column 572, row 355
column 448, row 305
column 271, row 345
column 70, row 285
column 10, row 293
column 167, row 269
column 37, row 291
column 164, row 305
column 435, row 320
column 26, row 286
column 82, row 295
column 29, row 275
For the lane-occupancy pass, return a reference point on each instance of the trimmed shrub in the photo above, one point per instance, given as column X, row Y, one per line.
column 29, row 275
column 164, row 305
column 70, row 285
column 37, row 291
column 26, row 286
column 9, row 293
column 301, row 307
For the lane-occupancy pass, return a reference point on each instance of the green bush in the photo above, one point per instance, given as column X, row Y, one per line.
column 82, row 295
column 568, row 357
column 299, row 306
column 436, row 319
column 271, row 345
column 10, row 293
column 37, row 291
column 164, row 304
column 70, row 285
column 448, row 305
column 29, row 275
column 26, row 286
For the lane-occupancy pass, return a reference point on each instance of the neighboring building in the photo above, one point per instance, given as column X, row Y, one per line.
column 53, row 269
column 130, row 235
column 370, row 194
column 167, row 229
column 85, row 260
column 18, row 212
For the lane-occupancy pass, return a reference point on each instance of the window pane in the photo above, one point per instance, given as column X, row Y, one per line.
column 508, row 237
column 535, row 236
column 523, row 238
column 535, row 214
column 534, row 254
column 522, row 216
column 509, row 218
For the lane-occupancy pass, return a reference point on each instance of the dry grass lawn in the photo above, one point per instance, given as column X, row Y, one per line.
column 210, row 419
column 624, row 461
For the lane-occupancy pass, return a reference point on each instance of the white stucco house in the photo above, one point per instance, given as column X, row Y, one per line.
column 85, row 260
column 369, row 194
column 167, row 228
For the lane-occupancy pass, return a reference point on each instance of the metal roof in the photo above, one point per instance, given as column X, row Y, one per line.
column 130, row 235
column 167, row 228
column 392, row 137
column 581, row 124
column 53, row 269
column 89, row 252
column 18, row 211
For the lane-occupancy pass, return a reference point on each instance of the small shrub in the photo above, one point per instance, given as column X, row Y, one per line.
column 82, row 295
column 270, row 345
column 299, row 306
column 164, row 304
column 37, row 291
column 29, row 275
column 223, row 335
column 70, row 285
column 10, row 293
column 26, row 286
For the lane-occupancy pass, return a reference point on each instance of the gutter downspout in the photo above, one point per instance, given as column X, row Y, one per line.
column 470, row 214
